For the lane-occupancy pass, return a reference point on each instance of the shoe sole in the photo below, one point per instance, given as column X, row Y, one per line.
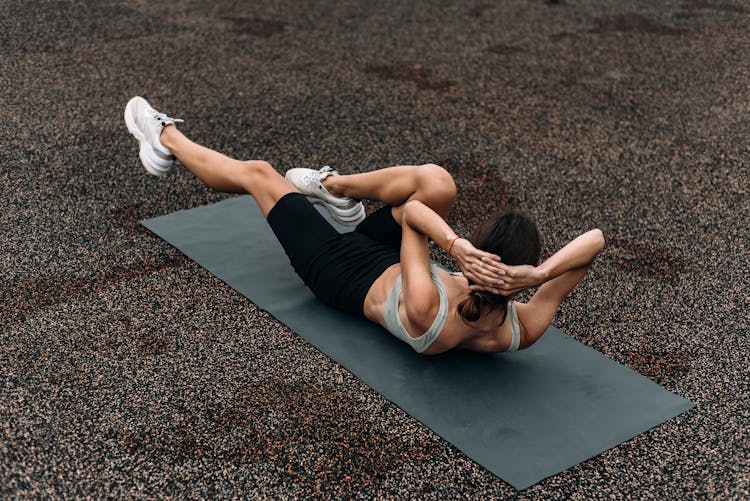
column 348, row 213
column 151, row 162
column 356, row 217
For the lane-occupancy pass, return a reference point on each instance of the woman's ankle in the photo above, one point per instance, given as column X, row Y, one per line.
column 334, row 186
column 166, row 135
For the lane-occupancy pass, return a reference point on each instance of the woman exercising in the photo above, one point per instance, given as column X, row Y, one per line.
column 382, row 269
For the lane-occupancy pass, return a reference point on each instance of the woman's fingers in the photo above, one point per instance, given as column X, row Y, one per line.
column 476, row 287
column 487, row 275
column 480, row 270
column 475, row 275
column 479, row 284
column 491, row 258
column 484, row 269
column 492, row 266
column 505, row 291
column 504, row 268
column 480, row 288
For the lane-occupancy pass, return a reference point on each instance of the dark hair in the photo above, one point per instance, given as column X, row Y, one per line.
column 513, row 236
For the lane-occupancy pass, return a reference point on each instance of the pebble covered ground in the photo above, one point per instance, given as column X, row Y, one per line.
column 129, row 371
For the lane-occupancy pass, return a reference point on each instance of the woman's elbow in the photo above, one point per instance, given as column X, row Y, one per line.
column 598, row 236
column 594, row 245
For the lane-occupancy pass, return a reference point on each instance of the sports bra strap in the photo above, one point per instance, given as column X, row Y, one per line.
column 515, row 329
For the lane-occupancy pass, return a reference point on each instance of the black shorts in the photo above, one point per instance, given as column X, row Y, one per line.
column 339, row 268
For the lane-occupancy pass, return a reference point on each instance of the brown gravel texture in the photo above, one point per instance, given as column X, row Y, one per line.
column 129, row 371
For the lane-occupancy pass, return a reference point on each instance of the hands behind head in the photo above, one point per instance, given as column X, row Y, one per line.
column 479, row 266
column 489, row 273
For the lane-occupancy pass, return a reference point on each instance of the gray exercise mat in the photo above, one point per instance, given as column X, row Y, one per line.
column 524, row 416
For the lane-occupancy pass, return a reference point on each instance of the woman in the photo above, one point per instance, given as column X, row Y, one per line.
column 382, row 269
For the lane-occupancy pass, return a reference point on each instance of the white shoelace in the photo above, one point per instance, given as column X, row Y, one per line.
column 162, row 116
column 315, row 177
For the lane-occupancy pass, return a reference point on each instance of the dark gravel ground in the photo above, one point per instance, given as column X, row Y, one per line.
column 127, row 370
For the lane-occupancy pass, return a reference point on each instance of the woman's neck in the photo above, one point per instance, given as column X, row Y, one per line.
column 490, row 321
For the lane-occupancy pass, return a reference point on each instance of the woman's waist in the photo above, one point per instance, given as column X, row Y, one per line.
column 377, row 295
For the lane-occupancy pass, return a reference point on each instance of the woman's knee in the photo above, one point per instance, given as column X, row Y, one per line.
column 436, row 185
column 254, row 169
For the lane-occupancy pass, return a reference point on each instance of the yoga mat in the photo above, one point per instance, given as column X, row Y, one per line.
column 524, row 415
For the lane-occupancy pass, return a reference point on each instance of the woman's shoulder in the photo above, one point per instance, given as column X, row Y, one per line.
column 533, row 322
column 449, row 277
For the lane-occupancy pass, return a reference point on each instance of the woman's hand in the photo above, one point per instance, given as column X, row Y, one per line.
column 518, row 278
column 482, row 268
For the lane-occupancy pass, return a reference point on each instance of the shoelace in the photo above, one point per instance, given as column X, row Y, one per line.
column 162, row 116
column 315, row 176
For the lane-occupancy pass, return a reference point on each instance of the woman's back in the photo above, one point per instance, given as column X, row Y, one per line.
column 492, row 333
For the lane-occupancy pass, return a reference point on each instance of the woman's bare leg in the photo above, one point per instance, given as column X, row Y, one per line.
column 429, row 183
column 222, row 173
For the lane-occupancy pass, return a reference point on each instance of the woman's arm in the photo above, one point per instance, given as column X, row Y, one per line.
column 420, row 295
column 563, row 273
column 479, row 266
column 578, row 253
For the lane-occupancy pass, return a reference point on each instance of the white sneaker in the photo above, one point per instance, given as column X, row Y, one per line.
column 146, row 124
column 309, row 182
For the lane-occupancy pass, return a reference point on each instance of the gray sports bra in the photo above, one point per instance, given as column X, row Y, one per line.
column 515, row 329
column 393, row 321
column 421, row 343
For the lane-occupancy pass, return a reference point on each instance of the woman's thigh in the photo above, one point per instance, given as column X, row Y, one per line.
column 301, row 230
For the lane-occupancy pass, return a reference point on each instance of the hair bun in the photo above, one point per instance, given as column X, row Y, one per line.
column 479, row 302
column 471, row 307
